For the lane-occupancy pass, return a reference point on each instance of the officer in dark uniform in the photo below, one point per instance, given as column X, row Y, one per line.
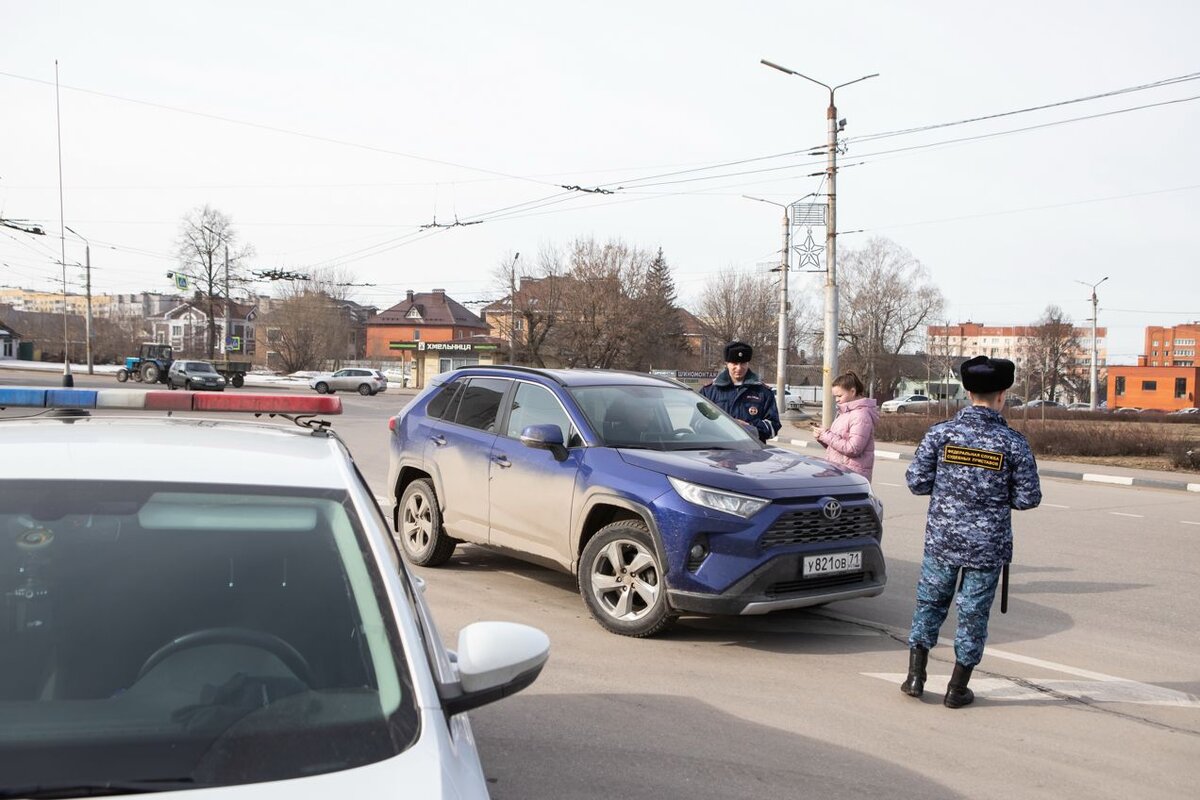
column 977, row 470
column 740, row 393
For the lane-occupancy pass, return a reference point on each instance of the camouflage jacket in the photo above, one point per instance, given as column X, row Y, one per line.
column 977, row 469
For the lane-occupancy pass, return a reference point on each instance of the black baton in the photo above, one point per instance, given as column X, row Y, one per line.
column 1004, row 590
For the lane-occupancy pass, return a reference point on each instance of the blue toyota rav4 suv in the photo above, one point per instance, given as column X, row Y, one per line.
column 657, row 500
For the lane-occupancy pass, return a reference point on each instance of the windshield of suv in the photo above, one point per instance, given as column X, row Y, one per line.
column 179, row 635
column 660, row 418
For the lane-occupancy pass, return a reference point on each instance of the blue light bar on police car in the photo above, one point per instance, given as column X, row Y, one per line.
column 131, row 399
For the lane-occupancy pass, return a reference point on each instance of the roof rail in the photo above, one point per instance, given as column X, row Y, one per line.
column 515, row 368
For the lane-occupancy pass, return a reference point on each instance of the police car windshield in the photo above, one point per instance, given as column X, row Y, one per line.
column 659, row 418
column 180, row 632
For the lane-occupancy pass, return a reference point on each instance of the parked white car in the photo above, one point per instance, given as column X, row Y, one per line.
column 899, row 404
column 352, row 379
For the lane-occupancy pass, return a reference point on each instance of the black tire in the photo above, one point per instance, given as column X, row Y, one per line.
column 187, row 385
column 622, row 581
column 137, row 376
column 122, row 375
column 238, row 381
column 171, row 385
column 322, row 388
column 150, row 373
column 365, row 390
column 419, row 530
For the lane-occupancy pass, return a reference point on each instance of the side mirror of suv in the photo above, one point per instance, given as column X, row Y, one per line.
column 545, row 437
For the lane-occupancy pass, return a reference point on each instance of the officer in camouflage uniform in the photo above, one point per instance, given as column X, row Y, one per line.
column 977, row 469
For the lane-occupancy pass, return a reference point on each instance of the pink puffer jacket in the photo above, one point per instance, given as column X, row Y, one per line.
column 850, row 440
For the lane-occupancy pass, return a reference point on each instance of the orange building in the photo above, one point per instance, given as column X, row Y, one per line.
column 1171, row 347
column 1158, row 388
column 405, row 329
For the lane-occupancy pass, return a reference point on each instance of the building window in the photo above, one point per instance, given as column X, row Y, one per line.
column 1149, row 386
column 1155, row 343
column 1120, row 388
column 1181, row 387
column 416, row 334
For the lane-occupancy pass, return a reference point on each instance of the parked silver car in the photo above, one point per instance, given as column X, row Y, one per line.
column 352, row 379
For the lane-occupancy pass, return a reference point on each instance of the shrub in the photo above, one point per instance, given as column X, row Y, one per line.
column 1185, row 455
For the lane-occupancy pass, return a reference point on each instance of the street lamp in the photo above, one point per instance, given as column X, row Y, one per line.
column 781, row 355
column 1095, row 384
column 829, row 365
column 87, row 249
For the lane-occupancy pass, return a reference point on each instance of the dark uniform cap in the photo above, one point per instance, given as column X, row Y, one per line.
column 738, row 352
column 984, row 375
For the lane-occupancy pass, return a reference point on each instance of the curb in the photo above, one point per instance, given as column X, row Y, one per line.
column 1090, row 477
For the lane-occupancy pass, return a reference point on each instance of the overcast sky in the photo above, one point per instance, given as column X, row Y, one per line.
column 331, row 132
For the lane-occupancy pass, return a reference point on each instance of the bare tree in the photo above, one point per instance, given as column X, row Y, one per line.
column 887, row 300
column 537, row 304
column 1053, row 348
column 310, row 323
column 598, row 312
column 204, row 235
column 744, row 306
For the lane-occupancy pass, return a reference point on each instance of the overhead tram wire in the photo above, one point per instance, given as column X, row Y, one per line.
column 1141, row 87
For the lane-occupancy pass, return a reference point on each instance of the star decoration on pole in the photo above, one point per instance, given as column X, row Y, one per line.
column 810, row 252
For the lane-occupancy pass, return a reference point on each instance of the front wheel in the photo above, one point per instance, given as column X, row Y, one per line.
column 150, row 373
column 622, row 581
column 322, row 388
column 122, row 375
column 422, row 537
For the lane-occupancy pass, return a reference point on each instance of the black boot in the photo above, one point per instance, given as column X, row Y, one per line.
column 957, row 693
column 914, row 684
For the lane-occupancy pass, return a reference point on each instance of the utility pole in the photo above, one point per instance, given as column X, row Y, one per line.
column 1095, row 380
column 228, row 300
column 67, row 379
column 87, row 261
column 829, row 361
column 781, row 356
column 512, row 309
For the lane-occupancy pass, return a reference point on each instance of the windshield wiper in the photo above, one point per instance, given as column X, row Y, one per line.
column 100, row 789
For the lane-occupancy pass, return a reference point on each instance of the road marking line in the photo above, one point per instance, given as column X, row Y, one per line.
column 1005, row 690
column 1053, row 505
column 1118, row 479
column 1123, row 514
column 884, row 483
column 1194, row 487
column 1188, row 522
column 887, row 454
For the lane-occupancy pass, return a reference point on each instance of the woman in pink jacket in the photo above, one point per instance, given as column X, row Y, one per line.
column 850, row 440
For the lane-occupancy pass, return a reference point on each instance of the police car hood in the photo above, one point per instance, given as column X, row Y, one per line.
column 771, row 471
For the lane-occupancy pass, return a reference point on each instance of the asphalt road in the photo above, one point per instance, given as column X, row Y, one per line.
column 1090, row 685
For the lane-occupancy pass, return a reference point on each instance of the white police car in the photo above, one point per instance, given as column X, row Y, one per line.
column 192, row 603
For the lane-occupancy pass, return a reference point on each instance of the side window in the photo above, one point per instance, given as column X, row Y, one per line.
column 537, row 405
column 480, row 403
column 442, row 401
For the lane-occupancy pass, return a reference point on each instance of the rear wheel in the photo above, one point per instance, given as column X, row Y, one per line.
column 122, row 375
column 365, row 389
column 238, row 381
column 622, row 581
column 322, row 388
column 420, row 531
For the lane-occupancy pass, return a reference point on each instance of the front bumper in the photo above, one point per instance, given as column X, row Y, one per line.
column 779, row 585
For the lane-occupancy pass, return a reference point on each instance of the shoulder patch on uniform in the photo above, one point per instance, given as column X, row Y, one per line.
column 972, row 457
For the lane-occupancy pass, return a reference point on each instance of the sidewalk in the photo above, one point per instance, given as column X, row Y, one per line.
column 1069, row 470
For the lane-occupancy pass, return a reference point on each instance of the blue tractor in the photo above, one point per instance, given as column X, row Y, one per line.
column 149, row 366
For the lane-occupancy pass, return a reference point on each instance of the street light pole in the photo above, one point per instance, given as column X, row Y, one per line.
column 87, row 250
column 1095, row 381
column 830, row 358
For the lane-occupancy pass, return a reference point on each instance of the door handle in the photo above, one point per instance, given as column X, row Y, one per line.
column 438, row 439
column 502, row 461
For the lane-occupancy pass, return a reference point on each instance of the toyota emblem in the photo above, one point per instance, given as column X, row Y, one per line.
column 832, row 509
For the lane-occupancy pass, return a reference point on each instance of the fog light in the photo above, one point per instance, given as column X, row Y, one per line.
column 698, row 552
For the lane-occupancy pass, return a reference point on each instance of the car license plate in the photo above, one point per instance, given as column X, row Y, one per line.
column 832, row 563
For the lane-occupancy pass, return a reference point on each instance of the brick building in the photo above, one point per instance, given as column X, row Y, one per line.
column 1171, row 347
column 405, row 330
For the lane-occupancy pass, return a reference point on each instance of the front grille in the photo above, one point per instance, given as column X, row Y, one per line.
column 813, row 526
column 791, row 587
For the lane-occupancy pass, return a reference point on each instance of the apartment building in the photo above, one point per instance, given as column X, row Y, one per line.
column 1171, row 347
column 967, row 339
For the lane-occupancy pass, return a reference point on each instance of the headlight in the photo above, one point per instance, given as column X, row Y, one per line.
column 739, row 505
